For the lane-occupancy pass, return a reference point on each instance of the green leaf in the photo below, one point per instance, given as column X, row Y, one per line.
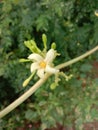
column 30, row 115
column 94, row 113
column 86, row 67
column 2, row 69
column 96, row 81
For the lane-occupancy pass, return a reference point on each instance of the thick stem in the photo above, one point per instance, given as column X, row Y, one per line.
column 77, row 59
column 27, row 94
column 22, row 98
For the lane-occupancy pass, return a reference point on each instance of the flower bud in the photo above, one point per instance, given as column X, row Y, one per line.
column 44, row 39
column 25, row 83
column 53, row 86
column 23, row 60
column 53, row 45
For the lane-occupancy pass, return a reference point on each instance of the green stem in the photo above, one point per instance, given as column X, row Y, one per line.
column 27, row 94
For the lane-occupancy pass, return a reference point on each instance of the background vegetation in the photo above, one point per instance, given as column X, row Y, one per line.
column 73, row 25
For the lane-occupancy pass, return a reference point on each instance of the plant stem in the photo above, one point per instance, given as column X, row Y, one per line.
column 27, row 94
column 77, row 59
column 22, row 98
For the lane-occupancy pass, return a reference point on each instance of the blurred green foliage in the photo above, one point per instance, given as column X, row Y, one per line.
column 73, row 25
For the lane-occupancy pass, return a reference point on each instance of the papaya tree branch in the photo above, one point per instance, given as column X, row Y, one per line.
column 27, row 94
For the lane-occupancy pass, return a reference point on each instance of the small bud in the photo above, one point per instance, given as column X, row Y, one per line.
column 34, row 46
column 24, row 60
column 53, row 45
column 44, row 39
column 53, row 86
column 31, row 44
column 28, row 45
column 25, row 83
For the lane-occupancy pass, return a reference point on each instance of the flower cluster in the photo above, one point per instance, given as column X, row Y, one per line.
column 42, row 60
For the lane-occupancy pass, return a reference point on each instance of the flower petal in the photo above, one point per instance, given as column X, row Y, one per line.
column 51, row 70
column 35, row 57
column 50, row 56
column 34, row 66
column 40, row 73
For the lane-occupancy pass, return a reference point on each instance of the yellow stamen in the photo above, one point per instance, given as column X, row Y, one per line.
column 42, row 64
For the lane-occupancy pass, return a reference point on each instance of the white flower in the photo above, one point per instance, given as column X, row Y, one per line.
column 42, row 64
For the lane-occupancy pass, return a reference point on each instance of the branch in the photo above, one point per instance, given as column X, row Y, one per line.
column 27, row 94
column 77, row 59
column 22, row 98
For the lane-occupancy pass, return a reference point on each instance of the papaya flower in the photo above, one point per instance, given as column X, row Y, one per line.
column 43, row 64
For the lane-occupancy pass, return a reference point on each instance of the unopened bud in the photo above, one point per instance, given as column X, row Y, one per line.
column 24, row 60
column 44, row 39
column 53, row 45
column 53, row 86
column 25, row 83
